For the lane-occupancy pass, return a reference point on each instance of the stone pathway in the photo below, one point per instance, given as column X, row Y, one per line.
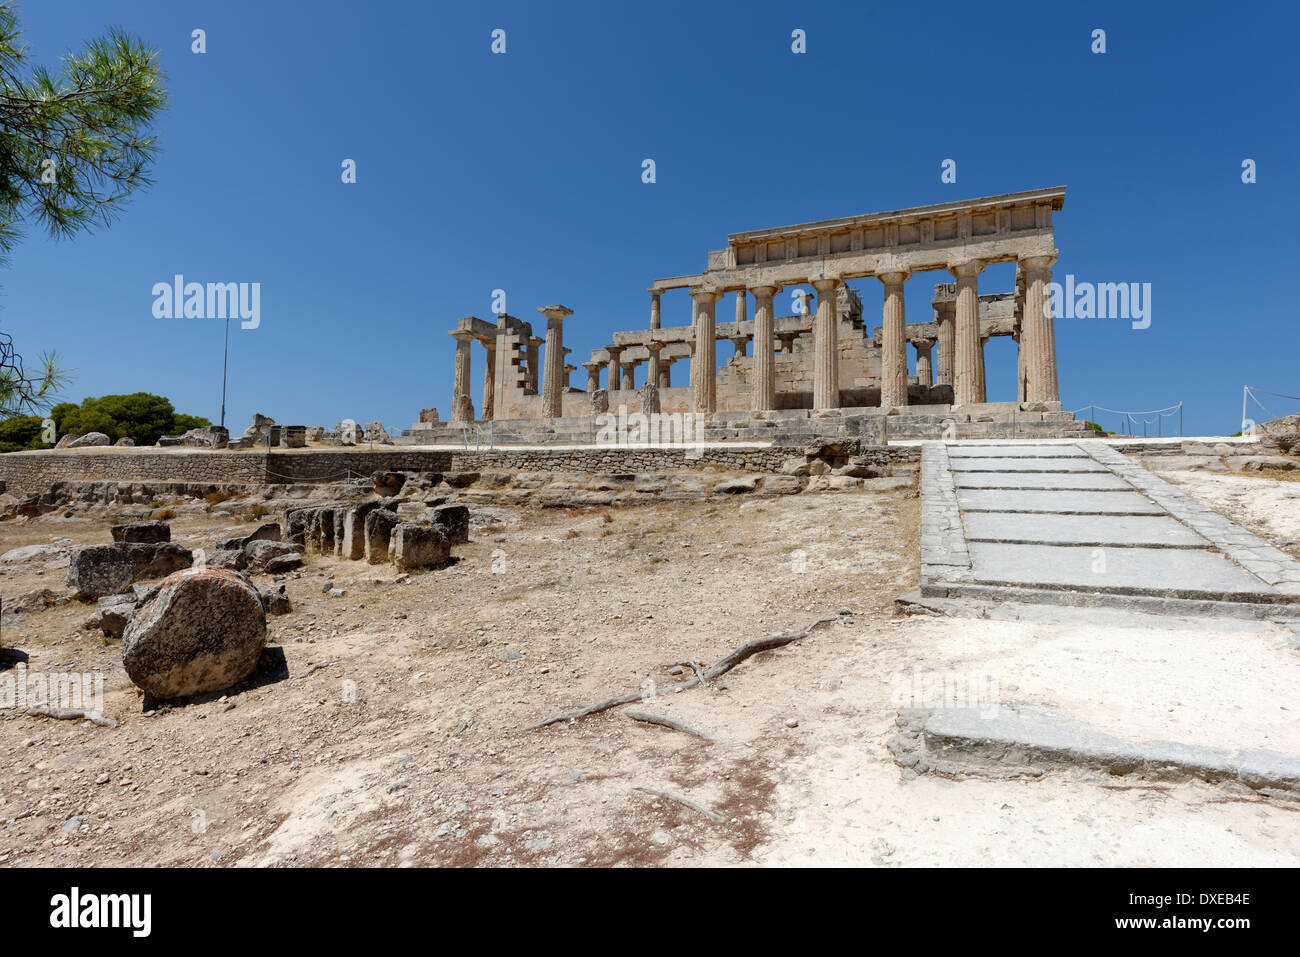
column 1080, row 524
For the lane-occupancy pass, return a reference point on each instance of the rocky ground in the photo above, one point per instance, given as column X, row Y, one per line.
column 386, row 724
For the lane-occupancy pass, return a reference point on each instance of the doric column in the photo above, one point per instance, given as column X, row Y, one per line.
column 1019, row 337
column 704, row 363
column 552, row 376
column 665, row 373
column 738, row 344
column 764, row 394
column 826, row 348
column 489, row 383
column 893, row 342
column 654, row 307
column 741, row 306
column 534, row 343
column 653, row 369
column 787, row 341
column 615, row 370
column 593, row 374
column 923, row 369
column 462, row 408
column 966, row 333
column 943, row 361
column 1038, row 331
column 628, row 378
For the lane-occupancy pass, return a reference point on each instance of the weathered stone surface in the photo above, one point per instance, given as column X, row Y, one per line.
column 419, row 546
column 33, row 601
column 125, row 442
column 454, row 520
column 232, row 558
column 90, row 440
column 96, row 570
column 353, row 545
column 378, row 529
column 202, row 631
column 142, row 532
column 209, row 436
column 781, row 485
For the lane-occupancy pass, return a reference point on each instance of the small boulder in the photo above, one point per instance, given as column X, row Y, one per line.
column 283, row 563
column 260, row 551
column 419, row 546
column 125, row 442
column 274, row 600
column 204, row 630
column 736, row 486
column 97, row 570
column 379, row 528
column 454, row 520
column 142, row 532
column 114, row 614
column 90, row 440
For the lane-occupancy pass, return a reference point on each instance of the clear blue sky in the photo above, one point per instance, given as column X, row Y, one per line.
column 522, row 172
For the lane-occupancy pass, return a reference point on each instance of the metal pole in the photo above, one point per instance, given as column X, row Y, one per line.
column 1180, row 419
column 225, row 356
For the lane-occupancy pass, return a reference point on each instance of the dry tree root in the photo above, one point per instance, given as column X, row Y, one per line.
column 315, row 668
column 666, row 722
column 748, row 649
column 72, row 714
column 685, row 802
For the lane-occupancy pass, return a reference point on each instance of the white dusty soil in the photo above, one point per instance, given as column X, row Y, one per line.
column 406, row 748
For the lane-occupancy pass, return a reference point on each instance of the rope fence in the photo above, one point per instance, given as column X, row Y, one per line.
column 1131, row 418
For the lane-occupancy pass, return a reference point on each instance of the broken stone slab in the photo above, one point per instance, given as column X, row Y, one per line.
column 98, row 570
column 142, row 532
column 203, row 630
column 33, row 553
column 419, row 546
column 1001, row 740
column 737, row 486
column 353, row 544
column 90, row 440
column 1259, row 463
column 274, row 600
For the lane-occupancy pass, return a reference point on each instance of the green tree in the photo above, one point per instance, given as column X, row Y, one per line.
column 139, row 416
column 20, row 432
column 74, row 146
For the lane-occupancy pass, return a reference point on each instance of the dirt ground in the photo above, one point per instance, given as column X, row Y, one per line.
column 404, row 747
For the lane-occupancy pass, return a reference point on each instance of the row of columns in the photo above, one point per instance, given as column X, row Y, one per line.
column 554, row 377
column 960, row 345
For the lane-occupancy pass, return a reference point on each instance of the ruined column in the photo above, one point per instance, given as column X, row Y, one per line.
column 893, row 342
column 923, row 361
column 764, row 394
column 654, row 307
column 653, row 371
column 534, row 344
column 628, row 376
column 490, row 382
column 966, row 333
column 704, row 362
column 738, row 344
column 826, row 349
column 462, row 407
column 552, row 376
column 593, row 375
column 742, row 306
column 943, row 362
column 665, row 372
column 1019, row 337
column 1038, row 328
column 615, row 379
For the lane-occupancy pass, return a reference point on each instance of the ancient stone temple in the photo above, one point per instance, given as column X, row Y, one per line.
column 840, row 353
